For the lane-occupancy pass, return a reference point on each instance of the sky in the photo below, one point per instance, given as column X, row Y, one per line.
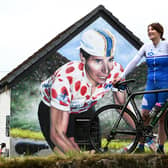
column 27, row 25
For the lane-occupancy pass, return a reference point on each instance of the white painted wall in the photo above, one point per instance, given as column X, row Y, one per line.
column 5, row 104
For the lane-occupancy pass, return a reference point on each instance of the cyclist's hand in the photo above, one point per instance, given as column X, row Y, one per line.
column 116, row 80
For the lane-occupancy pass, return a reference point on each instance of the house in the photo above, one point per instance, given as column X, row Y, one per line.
column 19, row 93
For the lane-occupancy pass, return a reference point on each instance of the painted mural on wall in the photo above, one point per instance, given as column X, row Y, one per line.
column 26, row 96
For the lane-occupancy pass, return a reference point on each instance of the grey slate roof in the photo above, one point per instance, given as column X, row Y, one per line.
column 64, row 37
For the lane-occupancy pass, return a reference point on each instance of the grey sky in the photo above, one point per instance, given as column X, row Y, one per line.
column 27, row 25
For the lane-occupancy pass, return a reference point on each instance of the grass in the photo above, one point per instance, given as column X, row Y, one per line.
column 118, row 144
column 21, row 133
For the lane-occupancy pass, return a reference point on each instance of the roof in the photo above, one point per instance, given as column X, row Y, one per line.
column 62, row 38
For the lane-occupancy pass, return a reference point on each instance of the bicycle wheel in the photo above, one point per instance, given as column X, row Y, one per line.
column 105, row 138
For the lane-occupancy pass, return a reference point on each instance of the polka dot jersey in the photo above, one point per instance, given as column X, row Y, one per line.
column 69, row 89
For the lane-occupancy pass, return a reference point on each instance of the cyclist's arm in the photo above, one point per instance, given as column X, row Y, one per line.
column 131, row 66
column 119, row 97
column 58, row 128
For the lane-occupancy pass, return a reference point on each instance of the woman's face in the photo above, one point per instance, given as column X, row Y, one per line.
column 153, row 34
column 98, row 69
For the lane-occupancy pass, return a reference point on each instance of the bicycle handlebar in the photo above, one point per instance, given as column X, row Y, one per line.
column 123, row 83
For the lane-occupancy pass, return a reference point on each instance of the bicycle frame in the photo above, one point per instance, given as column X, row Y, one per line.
column 127, row 128
column 131, row 97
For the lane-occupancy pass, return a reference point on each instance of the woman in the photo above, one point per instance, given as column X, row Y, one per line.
column 156, row 54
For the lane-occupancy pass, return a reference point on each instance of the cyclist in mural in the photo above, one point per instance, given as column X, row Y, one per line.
column 77, row 86
column 156, row 54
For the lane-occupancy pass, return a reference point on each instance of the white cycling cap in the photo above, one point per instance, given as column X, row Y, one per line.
column 98, row 42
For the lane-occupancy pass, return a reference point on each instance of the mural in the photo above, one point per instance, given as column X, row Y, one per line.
column 124, row 50
column 26, row 96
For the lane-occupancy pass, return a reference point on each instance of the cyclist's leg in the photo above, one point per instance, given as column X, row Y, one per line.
column 161, row 131
column 148, row 102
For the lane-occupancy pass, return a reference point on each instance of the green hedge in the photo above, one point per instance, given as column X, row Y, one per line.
column 89, row 161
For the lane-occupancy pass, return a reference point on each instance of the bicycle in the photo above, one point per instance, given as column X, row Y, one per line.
column 120, row 129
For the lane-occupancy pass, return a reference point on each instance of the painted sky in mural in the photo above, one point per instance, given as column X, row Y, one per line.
column 124, row 50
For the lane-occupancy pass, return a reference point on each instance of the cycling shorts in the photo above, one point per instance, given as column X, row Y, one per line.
column 149, row 100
